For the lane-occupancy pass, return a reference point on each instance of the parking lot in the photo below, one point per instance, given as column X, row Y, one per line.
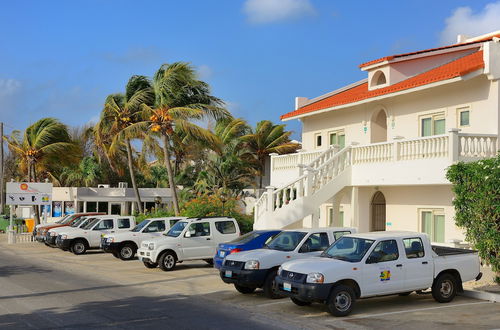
column 42, row 287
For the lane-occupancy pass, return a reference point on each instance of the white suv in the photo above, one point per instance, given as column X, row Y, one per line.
column 190, row 239
column 124, row 245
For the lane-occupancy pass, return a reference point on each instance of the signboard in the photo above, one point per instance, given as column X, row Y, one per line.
column 28, row 193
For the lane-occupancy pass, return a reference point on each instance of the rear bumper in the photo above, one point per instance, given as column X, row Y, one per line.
column 309, row 292
column 218, row 262
column 244, row 277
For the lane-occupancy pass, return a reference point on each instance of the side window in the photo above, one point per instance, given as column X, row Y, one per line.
column 384, row 251
column 172, row 222
column 155, row 227
column 315, row 242
column 339, row 234
column 199, row 229
column 123, row 223
column 225, row 227
column 413, row 247
column 104, row 224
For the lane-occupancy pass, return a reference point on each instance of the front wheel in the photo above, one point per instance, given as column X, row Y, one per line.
column 167, row 261
column 79, row 247
column 149, row 264
column 341, row 300
column 127, row 252
column 299, row 302
column 268, row 287
column 115, row 254
column 243, row 289
column 444, row 288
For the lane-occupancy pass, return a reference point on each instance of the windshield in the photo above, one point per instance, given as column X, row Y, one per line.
column 66, row 217
column 246, row 238
column 90, row 224
column 177, row 229
column 141, row 225
column 350, row 249
column 286, row 241
column 78, row 222
column 84, row 222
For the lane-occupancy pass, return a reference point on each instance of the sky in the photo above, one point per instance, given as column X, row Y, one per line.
column 62, row 58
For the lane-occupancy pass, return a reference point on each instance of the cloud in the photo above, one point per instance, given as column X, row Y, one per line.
column 9, row 87
column 269, row 11
column 465, row 21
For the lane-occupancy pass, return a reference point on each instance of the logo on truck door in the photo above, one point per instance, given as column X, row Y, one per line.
column 385, row 275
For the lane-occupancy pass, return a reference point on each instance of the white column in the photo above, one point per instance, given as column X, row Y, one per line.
column 85, row 207
column 453, row 145
column 12, row 237
column 355, row 207
column 132, row 208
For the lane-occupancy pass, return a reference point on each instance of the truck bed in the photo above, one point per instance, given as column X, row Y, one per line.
column 449, row 251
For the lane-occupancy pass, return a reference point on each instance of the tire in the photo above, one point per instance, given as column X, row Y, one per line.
column 150, row 264
column 299, row 302
column 115, row 254
column 127, row 252
column 268, row 286
column 244, row 289
column 404, row 294
column 167, row 261
column 444, row 288
column 341, row 300
column 79, row 247
column 209, row 261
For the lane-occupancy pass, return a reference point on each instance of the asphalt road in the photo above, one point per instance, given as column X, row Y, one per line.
column 35, row 297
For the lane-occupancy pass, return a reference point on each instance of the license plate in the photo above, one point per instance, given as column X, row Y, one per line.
column 287, row 287
column 228, row 273
column 222, row 254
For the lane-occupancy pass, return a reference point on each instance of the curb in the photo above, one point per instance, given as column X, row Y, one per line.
column 482, row 295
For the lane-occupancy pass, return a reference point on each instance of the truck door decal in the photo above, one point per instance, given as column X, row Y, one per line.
column 385, row 275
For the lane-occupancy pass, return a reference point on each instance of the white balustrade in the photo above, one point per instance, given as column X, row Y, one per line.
column 474, row 146
column 423, row 148
column 373, row 153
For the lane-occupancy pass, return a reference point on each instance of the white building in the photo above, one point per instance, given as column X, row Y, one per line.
column 375, row 152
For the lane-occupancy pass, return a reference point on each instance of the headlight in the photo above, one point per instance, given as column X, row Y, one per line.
column 64, row 236
column 151, row 246
column 279, row 271
column 53, row 233
column 111, row 239
column 315, row 278
column 252, row 264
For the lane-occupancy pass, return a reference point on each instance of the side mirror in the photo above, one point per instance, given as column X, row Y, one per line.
column 187, row 234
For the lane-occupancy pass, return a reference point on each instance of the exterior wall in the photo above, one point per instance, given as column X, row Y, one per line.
column 404, row 112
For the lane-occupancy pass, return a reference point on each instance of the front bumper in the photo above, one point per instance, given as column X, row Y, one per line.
column 50, row 240
column 309, row 292
column 243, row 277
column 110, row 247
column 146, row 255
column 63, row 243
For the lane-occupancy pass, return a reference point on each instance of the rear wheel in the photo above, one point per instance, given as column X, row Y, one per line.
column 244, row 289
column 167, row 261
column 341, row 300
column 127, row 252
column 149, row 264
column 299, row 302
column 444, row 288
column 79, row 247
column 268, row 287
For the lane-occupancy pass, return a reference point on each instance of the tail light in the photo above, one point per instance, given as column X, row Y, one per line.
column 235, row 250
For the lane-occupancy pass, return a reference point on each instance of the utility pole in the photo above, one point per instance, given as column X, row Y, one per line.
column 2, row 197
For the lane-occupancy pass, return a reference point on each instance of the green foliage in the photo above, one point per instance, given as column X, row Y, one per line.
column 477, row 205
column 154, row 214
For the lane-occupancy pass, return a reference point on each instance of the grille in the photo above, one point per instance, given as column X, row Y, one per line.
column 293, row 276
column 234, row 264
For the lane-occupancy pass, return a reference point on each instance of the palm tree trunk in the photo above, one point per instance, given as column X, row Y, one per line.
column 170, row 174
column 132, row 176
column 37, row 209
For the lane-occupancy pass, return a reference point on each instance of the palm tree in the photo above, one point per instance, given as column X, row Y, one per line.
column 179, row 98
column 267, row 139
column 120, row 112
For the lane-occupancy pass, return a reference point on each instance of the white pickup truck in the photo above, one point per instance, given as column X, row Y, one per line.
column 376, row 264
column 79, row 240
column 190, row 239
column 253, row 269
column 51, row 235
column 124, row 245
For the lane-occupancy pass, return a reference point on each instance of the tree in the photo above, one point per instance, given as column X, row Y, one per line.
column 180, row 98
column 477, row 206
column 266, row 139
column 87, row 174
column 120, row 112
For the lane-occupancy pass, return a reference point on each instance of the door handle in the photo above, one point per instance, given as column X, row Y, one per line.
column 424, row 262
column 399, row 265
column 208, row 238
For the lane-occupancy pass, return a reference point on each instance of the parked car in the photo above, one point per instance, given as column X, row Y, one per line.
column 250, row 241
column 51, row 234
column 124, row 245
column 79, row 240
column 376, row 264
column 190, row 239
column 250, row 270
column 41, row 230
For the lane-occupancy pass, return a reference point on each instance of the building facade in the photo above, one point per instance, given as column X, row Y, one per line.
column 375, row 153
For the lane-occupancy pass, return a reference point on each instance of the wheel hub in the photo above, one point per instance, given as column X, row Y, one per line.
column 342, row 301
column 446, row 288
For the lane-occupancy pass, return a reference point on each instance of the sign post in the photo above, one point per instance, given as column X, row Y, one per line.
column 27, row 194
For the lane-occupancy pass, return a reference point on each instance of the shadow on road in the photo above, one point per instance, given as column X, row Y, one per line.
column 6, row 271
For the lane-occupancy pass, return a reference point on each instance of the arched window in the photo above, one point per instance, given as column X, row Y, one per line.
column 378, row 79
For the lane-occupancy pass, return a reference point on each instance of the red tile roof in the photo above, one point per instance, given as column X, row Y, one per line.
column 456, row 68
column 388, row 58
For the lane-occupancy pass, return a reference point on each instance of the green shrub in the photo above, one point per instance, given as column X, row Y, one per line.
column 477, row 205
column 155, row 214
